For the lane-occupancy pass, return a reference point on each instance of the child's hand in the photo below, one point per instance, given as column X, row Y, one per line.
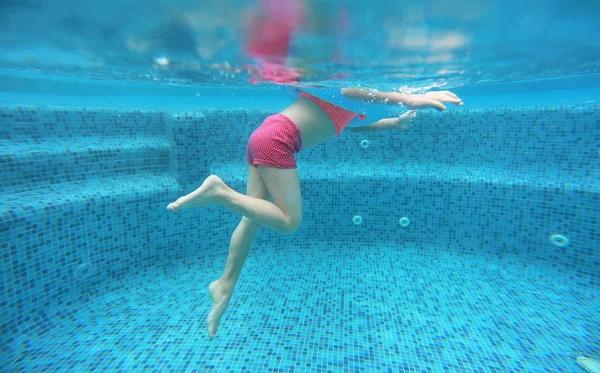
column 401, row 122
column 432, row 100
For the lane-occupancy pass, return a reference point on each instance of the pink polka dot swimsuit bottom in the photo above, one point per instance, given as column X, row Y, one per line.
column 274, row 143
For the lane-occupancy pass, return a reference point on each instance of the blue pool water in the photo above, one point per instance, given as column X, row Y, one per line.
column 98, row 276
column 96, row 140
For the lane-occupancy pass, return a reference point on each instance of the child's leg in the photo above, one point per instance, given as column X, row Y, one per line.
column 285, row 215
column 221, row 290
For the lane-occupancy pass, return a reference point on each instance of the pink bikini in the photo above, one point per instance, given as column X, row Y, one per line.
column 340, row 117
column 275, row 142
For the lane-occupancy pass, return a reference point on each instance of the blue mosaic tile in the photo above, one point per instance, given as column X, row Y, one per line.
column 381, row 308
column 96, row 275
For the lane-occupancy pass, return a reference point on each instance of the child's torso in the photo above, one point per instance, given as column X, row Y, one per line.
column 339, row 117
column 314, row 125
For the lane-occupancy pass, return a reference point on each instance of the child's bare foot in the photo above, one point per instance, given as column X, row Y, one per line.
column 220, row 299
column 405, row 120
column 211, row 191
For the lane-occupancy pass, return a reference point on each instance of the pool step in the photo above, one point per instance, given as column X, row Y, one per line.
column 362, row 173
column 27, row 163
column 34, row 123
column 53, row 157
column 73, row 195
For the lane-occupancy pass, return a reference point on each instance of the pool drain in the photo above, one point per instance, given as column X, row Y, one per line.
column 83, row 271
column 404, row 222
column 559, row 240
column 357, row 220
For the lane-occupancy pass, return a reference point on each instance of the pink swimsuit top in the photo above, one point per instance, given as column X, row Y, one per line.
column 340, row 117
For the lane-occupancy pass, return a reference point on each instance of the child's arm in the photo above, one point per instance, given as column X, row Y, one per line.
column 398, row 123
column 412, row 101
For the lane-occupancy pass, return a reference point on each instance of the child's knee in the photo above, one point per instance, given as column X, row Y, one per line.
column 290, row 225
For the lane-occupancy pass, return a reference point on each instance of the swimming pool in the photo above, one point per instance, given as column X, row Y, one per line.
column 98, row 276
column 468, row 243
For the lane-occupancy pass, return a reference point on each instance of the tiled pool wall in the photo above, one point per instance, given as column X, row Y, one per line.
column 84, row 195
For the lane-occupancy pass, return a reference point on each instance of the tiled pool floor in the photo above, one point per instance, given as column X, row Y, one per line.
column 327, row 308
